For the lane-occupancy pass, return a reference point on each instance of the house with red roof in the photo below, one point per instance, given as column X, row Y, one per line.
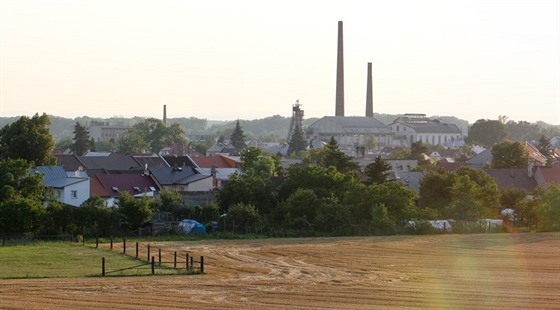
column 109, row 186
column 216, row 161
column 545, row 176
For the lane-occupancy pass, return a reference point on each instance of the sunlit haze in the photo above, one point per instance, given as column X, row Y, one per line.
column 225, row 60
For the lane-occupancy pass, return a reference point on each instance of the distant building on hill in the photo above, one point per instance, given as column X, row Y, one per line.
column 412, row 128
column 103, row 131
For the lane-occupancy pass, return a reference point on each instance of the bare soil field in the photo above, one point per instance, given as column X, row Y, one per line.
column 482, row 271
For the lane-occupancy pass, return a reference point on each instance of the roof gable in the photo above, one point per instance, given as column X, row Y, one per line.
column 517, row 178
column 70, row 162
column 113, row 184
column 172, row 175
column 56, row 177
column 114, row 161
column 217, row 161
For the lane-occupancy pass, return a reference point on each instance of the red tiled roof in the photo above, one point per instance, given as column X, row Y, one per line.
column 451, row 166
column 217, row 161
column 102, row 185
column 550, row 175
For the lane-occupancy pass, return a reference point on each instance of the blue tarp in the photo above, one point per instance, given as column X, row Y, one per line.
column 192, row 227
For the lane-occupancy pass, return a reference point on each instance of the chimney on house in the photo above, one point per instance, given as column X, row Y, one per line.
column 340, row 75
column 369, row 93
column 165, row 115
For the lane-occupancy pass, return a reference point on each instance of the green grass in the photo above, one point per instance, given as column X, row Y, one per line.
column 66, row 260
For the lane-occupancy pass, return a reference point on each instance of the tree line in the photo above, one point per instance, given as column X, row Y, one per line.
column 326, row 194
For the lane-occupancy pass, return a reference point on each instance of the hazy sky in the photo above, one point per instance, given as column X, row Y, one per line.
column 224, row 60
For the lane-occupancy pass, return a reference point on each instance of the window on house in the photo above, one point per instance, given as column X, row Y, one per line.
column 74, row 194
column 397, row 127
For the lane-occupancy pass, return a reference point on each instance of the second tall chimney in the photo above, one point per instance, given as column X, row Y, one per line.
column 369, row 93
column 165, row 115
column 340, row 75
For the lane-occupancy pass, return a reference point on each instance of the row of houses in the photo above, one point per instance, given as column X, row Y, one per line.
column 76, row 178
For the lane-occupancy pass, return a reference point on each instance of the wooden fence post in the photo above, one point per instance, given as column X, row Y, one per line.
column 175, row 260
column 159, row 257
column 96, row 242
column 153, row 265
column 192, row 262
column 187, row 261
column 202, row 264
column 148, row 252
column 111, row 243
column 137, row 249
column 103, row 266
column 124, row 245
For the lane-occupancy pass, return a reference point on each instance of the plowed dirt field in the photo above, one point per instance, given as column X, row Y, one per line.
column 490, row 271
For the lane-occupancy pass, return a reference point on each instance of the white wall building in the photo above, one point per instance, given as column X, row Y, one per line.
column 417, row 127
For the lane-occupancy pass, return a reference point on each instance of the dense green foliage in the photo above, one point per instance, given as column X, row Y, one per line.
column 486, row 132
column 323, row 195
column 82, row 142
column 378, row 171
column 150, row 135
column 29, row 139
column 237, row 137
column 297, row 142
column 509, row 155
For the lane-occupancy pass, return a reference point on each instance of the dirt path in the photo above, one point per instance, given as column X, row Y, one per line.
column 497, row 271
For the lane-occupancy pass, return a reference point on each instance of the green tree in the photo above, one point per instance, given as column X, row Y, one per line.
column 243, row 216
column 136, row 212
column 94, row 218
column 29, row 139
column 522, row 131
column 488, row 192
column 511, row 197
column 105, row 146
column 464, row 204
column 332, row 217
column 548, row 207
column 509, row 155
column 436, row 191
column 486, row 132
column 169, row 201
column 64, row 143
column 378, row 171
column 208, row 211
column 60, row 219
column 150, row 135
column 418, row 151
column 301, row 208
column 16, row 181
column 237, row 137
column 331, row 155
column 247, row 189
column 21, row 215
column 82, row 142
column 324, row 182
column 546, row 149
column 297, row 141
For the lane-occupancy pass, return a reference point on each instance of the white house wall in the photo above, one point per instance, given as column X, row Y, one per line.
column 204, row 185
column 82, row 193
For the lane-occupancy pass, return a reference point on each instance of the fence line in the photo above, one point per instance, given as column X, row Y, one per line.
column 189, row 265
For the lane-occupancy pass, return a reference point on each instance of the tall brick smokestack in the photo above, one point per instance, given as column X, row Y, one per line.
column 369, row 93
column 340, row 75
column 165, row 115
